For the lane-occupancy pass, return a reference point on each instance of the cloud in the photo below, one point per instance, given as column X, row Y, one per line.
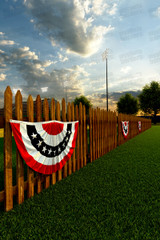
column 6, row 42
column 113, row 10
column 62, row 58
column 126, row 69
column 99, row 7
column 1, row 33
column 157, row 12
column 34, row 77
column 2, row 77
column 67, row 23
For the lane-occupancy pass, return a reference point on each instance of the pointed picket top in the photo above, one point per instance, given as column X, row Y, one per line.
column 30, row 108
column 8, row 90
column 19, row 106
column 63, row 110
column 72, row 111
column 38, row 98
column 38, row 108
column 46, row 109
column 58, row 111
column 69, row 111
column 52, row 109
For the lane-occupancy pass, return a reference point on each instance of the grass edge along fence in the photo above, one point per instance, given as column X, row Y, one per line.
column 102, row 138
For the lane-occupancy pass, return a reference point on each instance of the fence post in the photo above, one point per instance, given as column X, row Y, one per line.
column 30, row 172
column 8, row 189
column 19, row 160
column 64, row 119
column 46, row 118
column 53, row 118
column 74, row 160
column 39, row 117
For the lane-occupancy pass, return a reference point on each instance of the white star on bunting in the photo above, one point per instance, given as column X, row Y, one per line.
column 44, row 149
column 34, row 135
column 39, row 144
column 49, row 151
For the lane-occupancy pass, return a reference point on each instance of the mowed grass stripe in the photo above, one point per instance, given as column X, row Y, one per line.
column 115, row 197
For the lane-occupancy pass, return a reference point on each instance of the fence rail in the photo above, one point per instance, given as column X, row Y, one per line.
column 99, row 132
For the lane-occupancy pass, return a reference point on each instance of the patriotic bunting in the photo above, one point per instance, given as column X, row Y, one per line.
column 139, row 126
column 125, row 128
column 45, row 146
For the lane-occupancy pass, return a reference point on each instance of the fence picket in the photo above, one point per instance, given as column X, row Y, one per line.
column 52, row 111
column 85, row 145
column 80, row 134
column 19, row 160
column 8, row 189
column 77, row 145
column 90, row 132
column 64, row 119
column 39, row 118
column 93, row 134
column 69, row 119
column 46, row 118
column 30, row 172
column 58, row 117
column 72, row 117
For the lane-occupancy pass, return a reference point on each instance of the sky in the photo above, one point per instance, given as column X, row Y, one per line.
column 57, row 48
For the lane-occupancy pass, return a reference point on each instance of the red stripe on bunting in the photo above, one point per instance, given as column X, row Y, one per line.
column 53, row 128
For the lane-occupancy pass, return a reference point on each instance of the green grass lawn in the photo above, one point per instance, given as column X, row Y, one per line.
column 115, row 197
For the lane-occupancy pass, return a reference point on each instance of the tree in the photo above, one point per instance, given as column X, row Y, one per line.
column 84, row 101
column 127, row 104
column 149, row 98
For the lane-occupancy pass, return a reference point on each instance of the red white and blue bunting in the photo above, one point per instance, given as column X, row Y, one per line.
column 139, row 126
column 125, row 128
column 45, row 146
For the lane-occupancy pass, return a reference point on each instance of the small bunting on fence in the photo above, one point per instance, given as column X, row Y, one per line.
column 45, row 146
column 125, row 128
column 139, row 126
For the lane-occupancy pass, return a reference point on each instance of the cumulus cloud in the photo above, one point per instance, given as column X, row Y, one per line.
column 67, row 23
column 35, row 79
column 2, row 77
column 6, row 42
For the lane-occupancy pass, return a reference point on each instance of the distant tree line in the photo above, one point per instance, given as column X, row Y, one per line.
column 148, row 101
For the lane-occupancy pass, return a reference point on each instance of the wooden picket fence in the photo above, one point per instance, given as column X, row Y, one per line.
column 98, row 133
column 133, row 126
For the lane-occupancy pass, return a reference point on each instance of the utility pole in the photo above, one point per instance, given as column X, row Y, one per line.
column 104, row 57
